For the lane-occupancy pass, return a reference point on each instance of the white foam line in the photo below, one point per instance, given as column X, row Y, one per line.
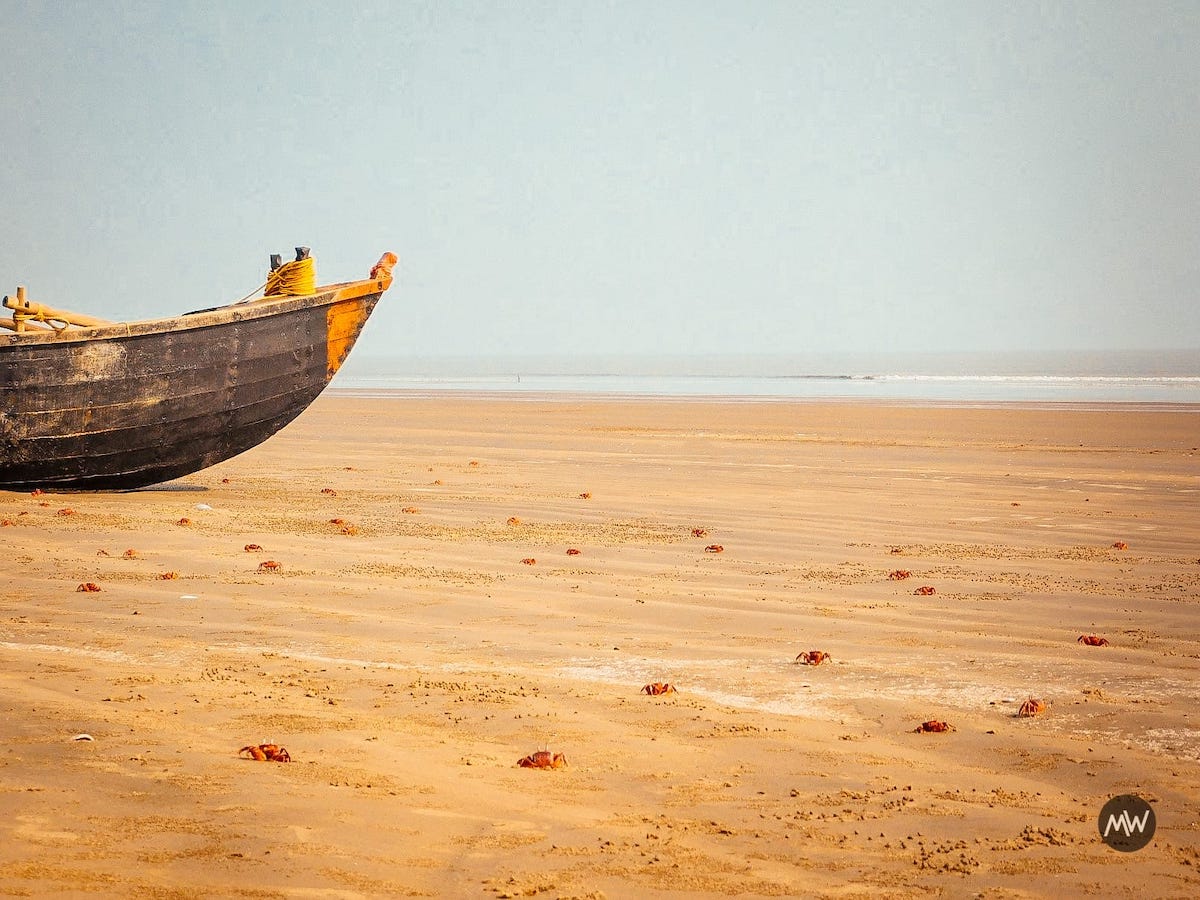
column 309, row 656
column 810, row 694
column 108, row 655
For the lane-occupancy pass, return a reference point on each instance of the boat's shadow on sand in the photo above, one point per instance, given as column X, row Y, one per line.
column 169, row 488
column 173, row 487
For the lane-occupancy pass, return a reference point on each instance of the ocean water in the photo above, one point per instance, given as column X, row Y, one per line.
column 1160, row 377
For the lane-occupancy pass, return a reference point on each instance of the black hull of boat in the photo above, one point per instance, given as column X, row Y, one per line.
column 127, row 406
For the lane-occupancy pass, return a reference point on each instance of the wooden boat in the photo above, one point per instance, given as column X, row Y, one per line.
column 92, row 405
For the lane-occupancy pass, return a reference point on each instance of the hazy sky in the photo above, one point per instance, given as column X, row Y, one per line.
column 649, row 177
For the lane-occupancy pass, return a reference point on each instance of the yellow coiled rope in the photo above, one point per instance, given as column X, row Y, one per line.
column 295, row 278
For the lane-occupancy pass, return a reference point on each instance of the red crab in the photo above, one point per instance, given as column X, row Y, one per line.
column 266, row 753
column 813, row 657
column 1032, row 707
column 542, row 759
column 1093, row 640
column 657, row 688
column 934, row 726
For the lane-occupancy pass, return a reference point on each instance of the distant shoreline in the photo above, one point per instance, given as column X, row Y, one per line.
column 1165, row 363
column 1124, row 377
column 530, row 396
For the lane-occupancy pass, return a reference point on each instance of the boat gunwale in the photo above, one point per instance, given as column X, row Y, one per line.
column 325, row 295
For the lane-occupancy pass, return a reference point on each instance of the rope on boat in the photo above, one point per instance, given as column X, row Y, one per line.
column 295, row 278
column 251, row 294
column 20, row 317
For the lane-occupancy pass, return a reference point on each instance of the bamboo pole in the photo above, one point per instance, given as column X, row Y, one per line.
column 20, row 305
column 11, row 325
column 23, row 325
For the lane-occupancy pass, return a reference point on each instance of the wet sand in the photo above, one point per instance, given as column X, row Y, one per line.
column 408, row 656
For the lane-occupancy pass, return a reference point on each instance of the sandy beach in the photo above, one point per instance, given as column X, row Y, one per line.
column 426, row 626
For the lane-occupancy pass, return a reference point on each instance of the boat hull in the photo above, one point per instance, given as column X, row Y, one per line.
column 130, row 405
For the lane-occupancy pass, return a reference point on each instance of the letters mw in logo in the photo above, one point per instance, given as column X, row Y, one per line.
column 1126, row 823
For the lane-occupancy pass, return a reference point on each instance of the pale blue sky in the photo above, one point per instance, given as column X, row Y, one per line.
column 620, row 177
